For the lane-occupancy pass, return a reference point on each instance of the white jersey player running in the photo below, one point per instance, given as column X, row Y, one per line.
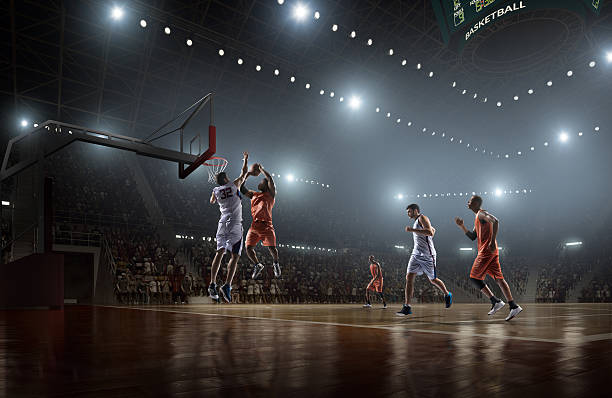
column 229, row 230
column 422, row 259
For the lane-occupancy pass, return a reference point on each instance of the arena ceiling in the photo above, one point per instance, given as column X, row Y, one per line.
column 69, row 61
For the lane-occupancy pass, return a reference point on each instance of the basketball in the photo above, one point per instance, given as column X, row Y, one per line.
column 255, row 169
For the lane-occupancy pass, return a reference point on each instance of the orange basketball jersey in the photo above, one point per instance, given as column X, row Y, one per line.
column 261, row 206
column 373, row 269
column 484, row 231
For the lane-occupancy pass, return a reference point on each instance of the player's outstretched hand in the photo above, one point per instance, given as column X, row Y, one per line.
column 245, row 155
column 408, row 229
column 459, row 221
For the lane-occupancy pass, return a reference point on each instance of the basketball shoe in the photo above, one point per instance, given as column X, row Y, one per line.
column 496, row 307
column 212, row 291
column 514, row 312
column 257, row 270
column 226, row 292
column 406, row 310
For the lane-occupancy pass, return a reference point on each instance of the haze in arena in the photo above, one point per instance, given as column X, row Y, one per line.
column 306, row 198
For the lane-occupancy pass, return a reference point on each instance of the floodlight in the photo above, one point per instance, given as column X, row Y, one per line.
column 300, row 11
column 24, row 123
column 355, row 102
column 563, row 137
column 143, row 23
column 167, row 30
column 189, row 42
column 117, row 13
column 289, row 177
column 221, row 52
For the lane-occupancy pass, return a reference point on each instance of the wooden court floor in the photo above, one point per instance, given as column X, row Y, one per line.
column 550, row 350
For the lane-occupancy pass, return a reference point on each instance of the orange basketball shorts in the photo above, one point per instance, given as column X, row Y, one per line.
column 261, row 231
column 376, row 286
column 486, row 264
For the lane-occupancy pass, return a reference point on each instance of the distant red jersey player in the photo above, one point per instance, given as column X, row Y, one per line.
column 376, row 284
column 262, row 229
column 487, row 260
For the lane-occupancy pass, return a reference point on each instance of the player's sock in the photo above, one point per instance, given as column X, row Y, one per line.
column 512, row 304
column 494, row 300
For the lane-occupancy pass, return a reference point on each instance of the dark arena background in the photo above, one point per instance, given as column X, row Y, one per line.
column 117, row 118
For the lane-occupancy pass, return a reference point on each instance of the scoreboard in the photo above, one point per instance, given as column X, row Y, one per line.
column 468, row 16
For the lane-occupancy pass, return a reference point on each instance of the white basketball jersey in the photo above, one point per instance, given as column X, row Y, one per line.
column 230, row 202
column 423, row 244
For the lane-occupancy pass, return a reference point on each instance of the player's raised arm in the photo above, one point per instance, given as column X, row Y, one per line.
column 245, row 170
column 427, row 230
column 271, row 184
column 213, row 198
column 469, row 234
column 245, row 191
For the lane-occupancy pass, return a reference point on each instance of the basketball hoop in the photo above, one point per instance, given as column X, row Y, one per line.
column 216, row 165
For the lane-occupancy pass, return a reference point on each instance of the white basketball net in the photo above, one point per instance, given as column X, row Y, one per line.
column 215, row 166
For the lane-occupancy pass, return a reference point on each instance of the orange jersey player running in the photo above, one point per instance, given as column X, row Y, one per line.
column 376, row 284
column 262, row 228
column 487, row 260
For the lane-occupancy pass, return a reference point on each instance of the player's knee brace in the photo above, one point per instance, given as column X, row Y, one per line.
column 478, row 283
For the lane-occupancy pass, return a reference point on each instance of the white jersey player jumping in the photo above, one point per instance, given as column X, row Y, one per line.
column 422, row 259
column 229, row 230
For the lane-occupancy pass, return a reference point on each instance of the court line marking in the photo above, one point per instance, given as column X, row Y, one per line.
column 395, row 327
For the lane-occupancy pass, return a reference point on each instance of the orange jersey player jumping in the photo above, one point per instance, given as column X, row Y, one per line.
column 487, row 260
column 262, row 228
column 376, row 284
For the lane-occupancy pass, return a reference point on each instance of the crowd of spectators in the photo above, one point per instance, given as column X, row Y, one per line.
column 91, row 180
column 598, row 290
column 93, row 183
column 556, row 280
column 149, row 271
